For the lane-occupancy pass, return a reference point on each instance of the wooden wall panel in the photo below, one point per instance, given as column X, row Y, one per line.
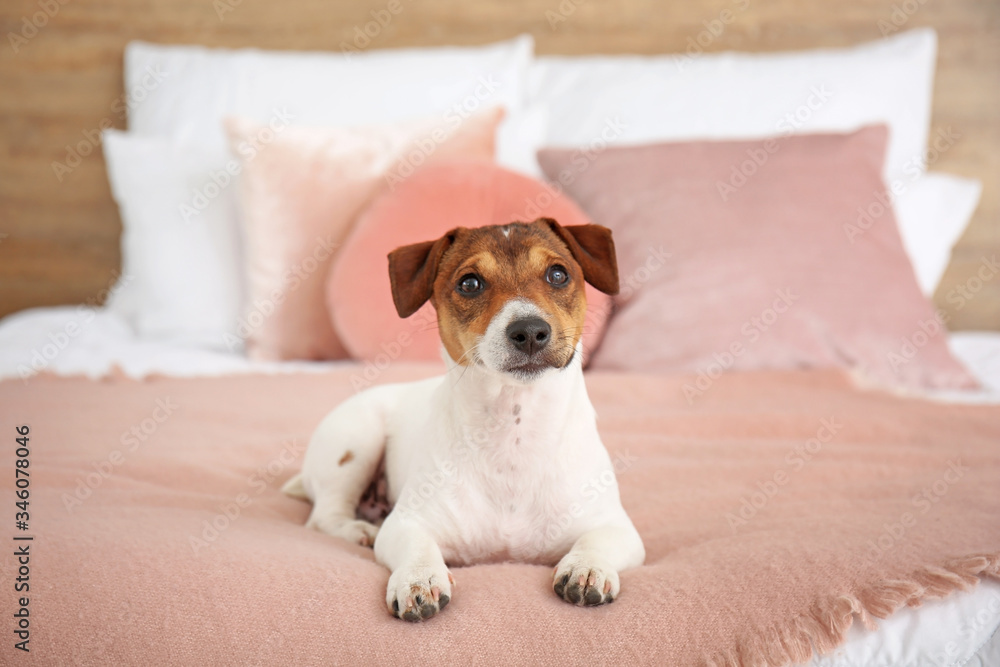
column 61, row 243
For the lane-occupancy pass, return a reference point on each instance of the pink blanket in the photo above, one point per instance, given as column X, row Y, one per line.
column 776, row 510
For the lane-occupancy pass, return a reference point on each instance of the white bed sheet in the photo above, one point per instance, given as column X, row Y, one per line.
column 77, row 340
column 84, row 341
column 980, row 352
column 94, row 342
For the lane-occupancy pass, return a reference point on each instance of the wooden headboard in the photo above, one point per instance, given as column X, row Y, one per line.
column 60, row 82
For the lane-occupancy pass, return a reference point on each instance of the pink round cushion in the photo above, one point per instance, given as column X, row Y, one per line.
column 422, row 208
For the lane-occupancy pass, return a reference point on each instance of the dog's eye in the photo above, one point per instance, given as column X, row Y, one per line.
column 557, row 275
column 470, row 284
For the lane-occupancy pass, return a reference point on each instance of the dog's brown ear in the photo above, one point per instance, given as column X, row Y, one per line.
column 593, row 249
column 412, row 271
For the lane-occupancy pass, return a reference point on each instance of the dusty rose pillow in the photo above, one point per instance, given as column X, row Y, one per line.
column 301, row 190
column 759, row 254
column 423, row 208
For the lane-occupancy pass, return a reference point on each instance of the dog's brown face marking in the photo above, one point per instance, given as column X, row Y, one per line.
column 513, row 294
column 509, row 262
column 471, row 274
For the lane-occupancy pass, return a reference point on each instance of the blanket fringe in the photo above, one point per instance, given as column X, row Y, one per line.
column 825, row 626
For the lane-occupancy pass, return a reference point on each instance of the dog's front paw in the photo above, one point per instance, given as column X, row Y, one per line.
column 585, row 581
column 419, row 593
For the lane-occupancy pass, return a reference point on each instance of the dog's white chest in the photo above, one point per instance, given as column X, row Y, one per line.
column 501, row 511
column 498, row 490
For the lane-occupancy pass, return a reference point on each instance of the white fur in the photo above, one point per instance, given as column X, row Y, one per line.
column 481, row 466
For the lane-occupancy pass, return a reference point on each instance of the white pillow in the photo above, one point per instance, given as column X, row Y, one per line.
column 186, row 91
column 181, row 270
column 933, row 211
column 189, row 283
column 580, row 101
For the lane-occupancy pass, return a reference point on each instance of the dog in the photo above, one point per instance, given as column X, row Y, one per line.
column 496, row 460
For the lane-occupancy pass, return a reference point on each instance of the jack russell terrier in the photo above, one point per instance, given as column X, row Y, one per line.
column 495, row 460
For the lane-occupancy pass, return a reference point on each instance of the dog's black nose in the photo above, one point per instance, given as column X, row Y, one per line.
column 530, row 334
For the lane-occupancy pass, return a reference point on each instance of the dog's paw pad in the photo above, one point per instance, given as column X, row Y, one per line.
column 418, row 596
column 585, row 583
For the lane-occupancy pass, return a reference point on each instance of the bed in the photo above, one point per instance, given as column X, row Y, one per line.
column 186, row 400
column 193, row 513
